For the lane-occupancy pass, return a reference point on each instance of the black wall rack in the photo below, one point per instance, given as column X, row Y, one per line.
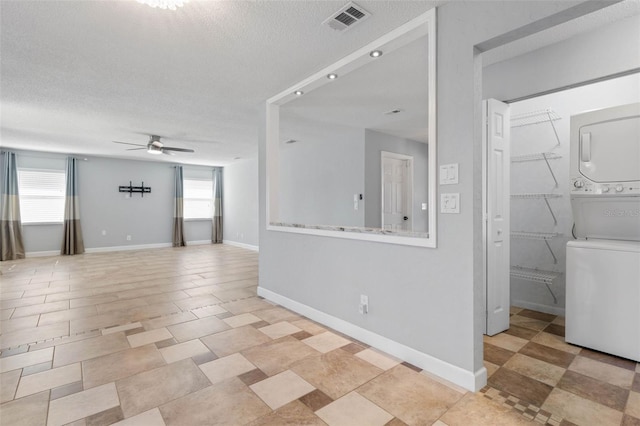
column 135, row 189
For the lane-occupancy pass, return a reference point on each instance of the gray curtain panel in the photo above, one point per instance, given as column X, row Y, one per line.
column 178, row 211
column 216, row 228
column 11, row 228
column 72, row 232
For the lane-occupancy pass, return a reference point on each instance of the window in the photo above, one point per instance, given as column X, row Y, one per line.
column 41, row 195
column 198, row 199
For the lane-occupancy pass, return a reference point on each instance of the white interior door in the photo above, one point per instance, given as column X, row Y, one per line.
column 496, row 200
column 396, row 192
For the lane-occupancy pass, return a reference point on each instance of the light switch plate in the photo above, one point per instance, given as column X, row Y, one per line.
column 449, row 174
column 450, row 203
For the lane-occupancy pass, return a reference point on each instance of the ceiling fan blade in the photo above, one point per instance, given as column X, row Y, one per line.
column 134, row 149
column 127, row 143
column 168, row 148
column 166, row 152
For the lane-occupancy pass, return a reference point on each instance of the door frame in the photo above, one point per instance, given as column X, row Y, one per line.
column 408, row 185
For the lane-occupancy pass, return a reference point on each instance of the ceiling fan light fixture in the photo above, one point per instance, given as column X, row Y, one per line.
column 154, row 149
column 164, row 4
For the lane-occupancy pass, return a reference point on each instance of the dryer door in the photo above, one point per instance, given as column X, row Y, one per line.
column 610, row 150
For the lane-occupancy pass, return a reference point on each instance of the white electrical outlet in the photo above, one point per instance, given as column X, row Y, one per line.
column 363, row 308
column 128, row 237
column 450, row 203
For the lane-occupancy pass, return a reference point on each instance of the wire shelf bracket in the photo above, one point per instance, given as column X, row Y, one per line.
column 537, row 117
column 539, row 236
column 546, row 156
column 536, row 275
column 545, row 197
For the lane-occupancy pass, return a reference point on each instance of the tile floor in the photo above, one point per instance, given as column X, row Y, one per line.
column 179, row 337
column 532, row 369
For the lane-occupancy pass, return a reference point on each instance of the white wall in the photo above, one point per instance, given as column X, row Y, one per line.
column 147, row 219
column 320, row 173
column 240, row 209
column 532, row 215
column 604, row 51
column 428, row 300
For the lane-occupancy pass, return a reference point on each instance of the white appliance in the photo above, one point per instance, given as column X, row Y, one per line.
column 603, row 265
column 603, row 296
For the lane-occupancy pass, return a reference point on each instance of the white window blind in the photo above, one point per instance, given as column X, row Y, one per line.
column 41, row 195
column 198, row 199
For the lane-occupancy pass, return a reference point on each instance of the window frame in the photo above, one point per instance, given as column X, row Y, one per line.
column 22, row 196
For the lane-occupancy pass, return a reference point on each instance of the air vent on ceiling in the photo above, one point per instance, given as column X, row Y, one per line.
column 347, row 17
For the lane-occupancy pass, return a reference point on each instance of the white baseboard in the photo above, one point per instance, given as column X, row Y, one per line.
column 242, row 245
column 553, row 310
column 123, row 248
column 42, row 253
column 466, row 379
column 198, row 243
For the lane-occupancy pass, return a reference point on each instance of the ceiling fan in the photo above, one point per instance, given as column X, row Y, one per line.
column 154, row 146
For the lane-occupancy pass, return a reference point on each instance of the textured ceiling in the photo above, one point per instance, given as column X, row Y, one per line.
column 76, row 75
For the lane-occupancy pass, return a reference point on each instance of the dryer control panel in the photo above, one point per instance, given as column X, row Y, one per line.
column 581, row 185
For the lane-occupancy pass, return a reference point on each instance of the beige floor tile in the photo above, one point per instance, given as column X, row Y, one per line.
column 372, row 356
column 234, row 294
column 336, row 373
column 526, row 322
column 14, row 295
column 353, row 410
column 294, row 413
column 29, row 411
column 119, row 365
column 25, row 359
column 602, row 371
column 183, row 350
column 475, row 409
column 119, row 328
column 41, row 308
column 536, row 369
column 633, row 405
column 277, row 314
column 281, row 389
column 82, row 404
column 247, row 305
column 171, row 296
column 8, row 385
column 278, row 355
column 99, row 321
column 92, row 300
column 235, row 340
column 146, row 337
column 120, row 305
column 309, row 326
column 24, row 301
column 506, row 341
column 556, row 342
column 197, row 302
column 168, row 320
column 152, row 388
column 241, row 320
column 209, row 311
column 410, row 396
column 7, row 326
column 49, row 379
column 5, row 314
column 227, row 367
column 148, row 418
column 31, row 335
column 325, row 342
column 66, row 315
column 579, row 410
column 197, row 328
column 89, row 348
column 234, row 405
column 491, row 368
column 278, row 330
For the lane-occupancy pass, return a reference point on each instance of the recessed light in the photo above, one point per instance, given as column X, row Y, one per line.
column 375, row 53
column 332, row 76
column 298, row 93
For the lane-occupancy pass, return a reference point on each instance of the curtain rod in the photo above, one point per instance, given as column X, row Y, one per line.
column 29, row 154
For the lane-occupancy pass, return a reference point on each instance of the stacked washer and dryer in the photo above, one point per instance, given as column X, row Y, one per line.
column 603, row 263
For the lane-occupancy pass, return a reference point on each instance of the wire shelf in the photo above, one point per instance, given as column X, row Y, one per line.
column 535, row 157
column 534, row 235
column 538, row 196
column 534, row 117
column 537, row 275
